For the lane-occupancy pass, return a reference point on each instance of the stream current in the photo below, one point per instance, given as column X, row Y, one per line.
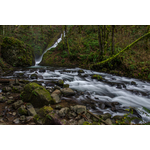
column 113, row 95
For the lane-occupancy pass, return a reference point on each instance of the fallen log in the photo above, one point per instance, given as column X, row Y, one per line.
column 97, row 117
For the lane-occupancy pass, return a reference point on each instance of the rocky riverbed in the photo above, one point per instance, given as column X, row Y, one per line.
column 28, row 103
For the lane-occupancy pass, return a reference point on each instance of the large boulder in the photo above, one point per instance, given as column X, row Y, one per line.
column 37, row 95
column 16, row 52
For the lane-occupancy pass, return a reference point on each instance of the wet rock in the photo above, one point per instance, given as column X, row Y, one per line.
column 79, row 109
column 68, row 92
column 105, row 116
column 63, row 111
column 98, row 77
column 34, row 76
column 66, row 86
column 49, row 84
column 56, row 98
column 8, row 93
column 22, row 110
column 42, row 70
column 133, row 83
column 37, row 95
column 16, row 121
column 10, row 98
column 102, row 106
column 60, row 82
column 80, row 71
column 81, row 121
column 17, row 104
column 31, row 110
column 1, row 120
column 108, row 121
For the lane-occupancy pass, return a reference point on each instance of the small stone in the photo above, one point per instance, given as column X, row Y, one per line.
column 80, row 122
column 22, row 110
column 10, row 97
column 63, row 111
column 29, row 118
column 108, row 121
column 33, row 76
column 10, row 101
column 56, row 98
column 14, row 113
column 68, row 92
column 58, row 106
column 8, row 93
column 105, row 116
column 16, row 121
column 17, row 104
column 60, row 82
column 31, row 110
column 80, row 71
column 79, row 109
column 58, row 92
column 22, row 118
column 1, row 120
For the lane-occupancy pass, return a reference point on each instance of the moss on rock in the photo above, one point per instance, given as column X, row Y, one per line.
column 16, row 52
column 37, row 95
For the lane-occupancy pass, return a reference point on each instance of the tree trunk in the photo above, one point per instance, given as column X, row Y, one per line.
column 100, row 42
column 113, row 27
column 147, row 39
column 66, row 40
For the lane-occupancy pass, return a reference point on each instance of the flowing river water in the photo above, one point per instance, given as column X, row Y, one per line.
column 113, row 95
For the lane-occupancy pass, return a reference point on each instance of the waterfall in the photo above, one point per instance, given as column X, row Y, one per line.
column 38, row 60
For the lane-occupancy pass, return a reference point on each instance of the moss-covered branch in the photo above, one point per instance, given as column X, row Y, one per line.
column 114, row 56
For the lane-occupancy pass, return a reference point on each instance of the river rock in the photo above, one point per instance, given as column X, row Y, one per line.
column 63, row 111
column 34, row 76
column 80, row 71
column 6, row 89
column 29, row 118
column 37, row 95
column 66, row 86
column 108, row 121
column 60, row 82
column 56, row 98
column 105, row 116
column 22, row 118
column 17, row 104
column 22, row 110
column 81, row 121
column 79, row 109
column 31, row 110
column 17, row 89
column 10, row 101
column 16, row 121
column 58, row 92
column 68, row 92
column 2, row 99
column 58, row 107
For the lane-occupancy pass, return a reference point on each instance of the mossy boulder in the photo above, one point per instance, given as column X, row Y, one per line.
column 37, row 95
column 98, row 77
column 16, row 52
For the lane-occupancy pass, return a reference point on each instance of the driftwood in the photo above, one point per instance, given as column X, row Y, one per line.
column 97, row 117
